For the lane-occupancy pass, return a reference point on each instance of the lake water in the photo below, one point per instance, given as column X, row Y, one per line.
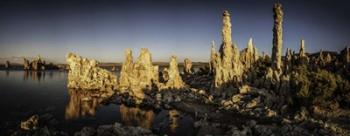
column 45, row 93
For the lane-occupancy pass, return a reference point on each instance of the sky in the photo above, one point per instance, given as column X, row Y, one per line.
column 104, row 29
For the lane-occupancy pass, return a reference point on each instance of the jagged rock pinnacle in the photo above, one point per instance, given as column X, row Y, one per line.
column 187, row 66
column 277, row 37
column 175, row 80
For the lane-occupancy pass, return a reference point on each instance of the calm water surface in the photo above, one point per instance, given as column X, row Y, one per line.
column 28, row 93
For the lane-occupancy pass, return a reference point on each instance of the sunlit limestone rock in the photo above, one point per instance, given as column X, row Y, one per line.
column 218, row 79
column 226, row 50
column 139, row 76
column 328, row 59
column 249, row 55
column 228, row 68
column 187, row 66
column 345, row 55
column 7, row 64
column 145, row 74
column 175, row 80
column 165, row 75
column 303, row 58
column 126, row 72
column 273, row 74
column 26, row 64
column 85, row 74
column 37, row 64
column 213, row 56
column 30, row 124
column 277, row 37
column 272, row 79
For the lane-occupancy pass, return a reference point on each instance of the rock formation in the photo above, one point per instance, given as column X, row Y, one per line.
column 187, row 66
column 144, row 71
column 26, row 64
column 303, row 58
column 126, row 72
column 345, row 54
column 277, row 37
column 288, row 61
column 249, row 55
column 228, row 67
column 175, row 80
column 213, row 56
column 37, row 64
column 226, row 50
column 139, row 76
column 30, row 124
column 85, row 74
column 7, row 64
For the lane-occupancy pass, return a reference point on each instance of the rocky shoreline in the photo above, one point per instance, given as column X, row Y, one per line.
column 238, row 93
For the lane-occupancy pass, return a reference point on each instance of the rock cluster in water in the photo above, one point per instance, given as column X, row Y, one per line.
column 36, row 65
column 85, row 74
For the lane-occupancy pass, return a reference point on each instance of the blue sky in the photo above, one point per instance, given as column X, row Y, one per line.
column 104, row 29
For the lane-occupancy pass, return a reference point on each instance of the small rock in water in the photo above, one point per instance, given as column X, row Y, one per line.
column 31, row 123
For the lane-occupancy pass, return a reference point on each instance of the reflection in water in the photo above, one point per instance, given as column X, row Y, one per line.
column 81, row 104
column 7, row 73
column 173, row 114
column 136, row 116
column 34, row 75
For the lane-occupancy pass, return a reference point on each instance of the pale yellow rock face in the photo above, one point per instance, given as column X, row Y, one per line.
column 213, row 56
column 227, row 65
column 26, row 65
column 85, row 74
column 175, row 80
column 303, row 58
column 277, row 37
column 302, row 49
column 226, row 29
column 139, row 76
column 187, row 66
column 126, row 71
column 145, row 74
column 249, row 55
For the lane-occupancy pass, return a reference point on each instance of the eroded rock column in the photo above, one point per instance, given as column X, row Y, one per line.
column 175, row 80
column 213, row 56
column 187, row 66
column 7, row 64
column 126, row 71
column 26, row 65
column 277, row 37
column 303, row 58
